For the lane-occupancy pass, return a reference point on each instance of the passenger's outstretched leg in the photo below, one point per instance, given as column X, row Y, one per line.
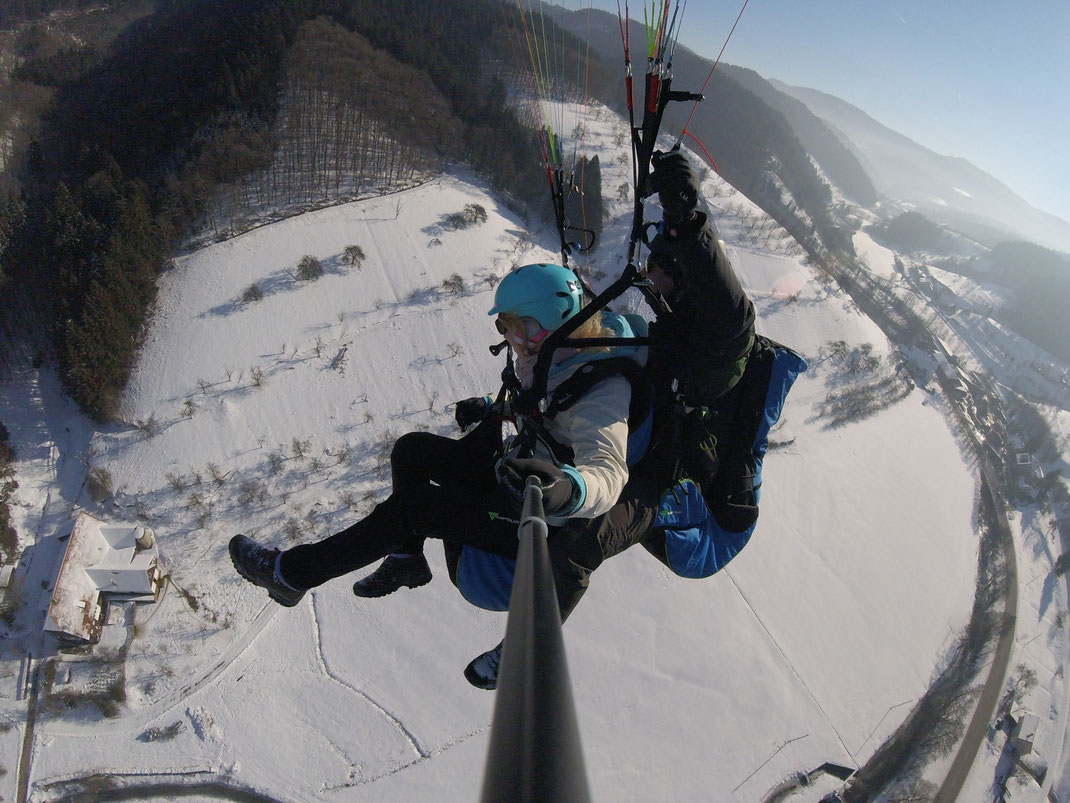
column 435, row 480
column 288, row 575
column 426, row 468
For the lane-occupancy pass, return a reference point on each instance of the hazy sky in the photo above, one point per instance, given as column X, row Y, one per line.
column 988, row 81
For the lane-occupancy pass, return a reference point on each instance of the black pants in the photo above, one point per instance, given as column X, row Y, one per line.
column 442, row 488
column 579, row 547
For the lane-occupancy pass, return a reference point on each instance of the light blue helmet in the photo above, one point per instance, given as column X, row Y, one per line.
column 548, row 293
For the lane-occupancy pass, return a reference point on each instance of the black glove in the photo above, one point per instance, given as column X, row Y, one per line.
column 471, row 411
column 676, row 184
column 557, row 486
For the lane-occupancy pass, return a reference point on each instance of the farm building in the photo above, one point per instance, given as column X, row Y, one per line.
column 1025, row 732
column 101, row 561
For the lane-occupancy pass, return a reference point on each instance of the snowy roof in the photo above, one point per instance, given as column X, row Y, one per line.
column 99, row 558
column 944, row 347
column 1026, row 730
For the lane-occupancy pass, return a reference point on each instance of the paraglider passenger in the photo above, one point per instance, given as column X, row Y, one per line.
column 466, row 491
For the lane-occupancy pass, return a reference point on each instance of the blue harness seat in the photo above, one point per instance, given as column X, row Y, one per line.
column 485, row 579
column 696, row 543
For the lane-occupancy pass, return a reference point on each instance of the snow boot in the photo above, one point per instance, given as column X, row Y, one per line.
column 259, row 565
column 482, row 672
column 394, row 572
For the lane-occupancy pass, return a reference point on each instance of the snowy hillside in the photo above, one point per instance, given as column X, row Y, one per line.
column 273, row 417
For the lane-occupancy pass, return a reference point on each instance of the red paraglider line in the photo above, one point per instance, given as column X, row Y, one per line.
column 715, row 170
column 714, row 67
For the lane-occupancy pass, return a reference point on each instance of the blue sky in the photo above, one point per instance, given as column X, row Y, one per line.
column 987, row 81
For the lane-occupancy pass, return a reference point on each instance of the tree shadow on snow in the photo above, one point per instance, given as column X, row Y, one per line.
column 1047, row 594
column 281, row 281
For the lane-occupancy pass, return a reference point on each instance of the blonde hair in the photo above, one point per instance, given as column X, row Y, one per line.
column 591, row 328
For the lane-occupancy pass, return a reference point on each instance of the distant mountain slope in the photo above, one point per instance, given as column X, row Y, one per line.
column 755, row 147
column 836, row 158
column 948, row 189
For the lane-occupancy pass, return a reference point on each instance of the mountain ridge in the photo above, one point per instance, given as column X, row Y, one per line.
column 950, row 189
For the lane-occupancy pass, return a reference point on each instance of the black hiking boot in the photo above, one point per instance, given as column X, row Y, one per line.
column 394, row 572
column 482, row 672
column 257, row 565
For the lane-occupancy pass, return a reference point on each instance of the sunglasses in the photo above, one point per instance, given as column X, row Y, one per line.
column 527, row 330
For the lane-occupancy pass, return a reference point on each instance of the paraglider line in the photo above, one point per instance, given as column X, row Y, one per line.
column 712, row 162
column 715, row 63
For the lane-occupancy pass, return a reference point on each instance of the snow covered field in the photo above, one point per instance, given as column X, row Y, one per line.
column 272, row 418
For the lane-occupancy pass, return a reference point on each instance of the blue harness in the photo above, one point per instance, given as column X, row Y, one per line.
column 696, row 543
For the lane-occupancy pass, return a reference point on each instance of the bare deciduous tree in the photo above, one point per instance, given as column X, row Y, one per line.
column 99, row 484
column 454, row 285
column 309, row 268
column 354, row 256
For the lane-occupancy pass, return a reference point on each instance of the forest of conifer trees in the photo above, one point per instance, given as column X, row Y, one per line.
column 352, row 121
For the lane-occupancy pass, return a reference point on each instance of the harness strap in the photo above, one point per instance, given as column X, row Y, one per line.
column 573, row 389
column 590, row 374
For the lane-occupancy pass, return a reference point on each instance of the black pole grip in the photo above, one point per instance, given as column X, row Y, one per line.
column 535, row 752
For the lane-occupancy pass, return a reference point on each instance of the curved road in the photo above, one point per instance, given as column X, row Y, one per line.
column 993, row 688
column 986, row 706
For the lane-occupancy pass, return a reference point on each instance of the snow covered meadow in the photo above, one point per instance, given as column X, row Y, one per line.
column 274, row 416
